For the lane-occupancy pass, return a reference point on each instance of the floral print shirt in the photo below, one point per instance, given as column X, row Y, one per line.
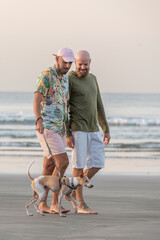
column 55, row 96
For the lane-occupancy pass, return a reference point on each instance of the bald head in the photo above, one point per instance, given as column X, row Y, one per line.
column 83, row 55
column 82, row 61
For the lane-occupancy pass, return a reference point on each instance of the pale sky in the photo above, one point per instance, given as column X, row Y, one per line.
column 122, row 36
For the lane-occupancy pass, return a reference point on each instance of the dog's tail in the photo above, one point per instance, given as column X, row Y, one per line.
column 29, row 169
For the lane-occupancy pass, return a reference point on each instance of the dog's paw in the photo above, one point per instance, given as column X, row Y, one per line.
column 62, row 215
column 75, row 211
column 29, row 214
column 40, row 212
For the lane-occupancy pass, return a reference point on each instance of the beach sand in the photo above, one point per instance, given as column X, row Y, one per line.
column 134, row 166
column 128, row 203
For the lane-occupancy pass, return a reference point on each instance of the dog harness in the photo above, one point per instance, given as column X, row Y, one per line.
column 63, row 182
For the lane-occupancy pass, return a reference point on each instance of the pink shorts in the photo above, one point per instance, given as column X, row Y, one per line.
column 55, row 141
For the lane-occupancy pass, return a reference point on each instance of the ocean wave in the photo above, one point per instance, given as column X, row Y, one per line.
column 131, row 121
column 22, row 118
column 19, row 144
column 113, row 146
column 17, row 118
column 148, row 146
column 17, row 134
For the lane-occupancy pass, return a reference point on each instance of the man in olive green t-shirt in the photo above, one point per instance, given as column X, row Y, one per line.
column 83, row 136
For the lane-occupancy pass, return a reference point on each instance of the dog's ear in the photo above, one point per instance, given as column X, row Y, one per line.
column 81, row 175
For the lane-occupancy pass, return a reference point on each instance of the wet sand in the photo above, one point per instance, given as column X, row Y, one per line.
column 128, row 206
column 114, row 166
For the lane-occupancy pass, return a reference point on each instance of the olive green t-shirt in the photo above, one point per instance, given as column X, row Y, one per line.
column 85, row 105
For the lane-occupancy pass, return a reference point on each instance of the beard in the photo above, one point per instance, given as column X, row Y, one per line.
column 82, row 74
column 62, row 70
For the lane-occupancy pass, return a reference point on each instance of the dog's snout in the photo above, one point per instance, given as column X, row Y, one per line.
column 88, row 185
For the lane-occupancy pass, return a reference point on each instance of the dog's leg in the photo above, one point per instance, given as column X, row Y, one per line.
column 37, row 207
column 75, row 201
column 41, row 196
column 35, row 197
column 41, row 192
column 60, row 204
column 68, row 191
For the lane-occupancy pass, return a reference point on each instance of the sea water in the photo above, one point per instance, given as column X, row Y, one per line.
column 134, row 121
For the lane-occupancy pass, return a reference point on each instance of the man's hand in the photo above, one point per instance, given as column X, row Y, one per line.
column 40, row 126
column 106, row 138
column 70, row 142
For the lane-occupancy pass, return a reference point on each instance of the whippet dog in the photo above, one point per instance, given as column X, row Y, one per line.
column 60, row 185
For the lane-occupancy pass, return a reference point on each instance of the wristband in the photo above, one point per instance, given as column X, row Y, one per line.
column 38, row 119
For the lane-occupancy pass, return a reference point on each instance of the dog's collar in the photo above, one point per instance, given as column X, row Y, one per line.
column 72, row 183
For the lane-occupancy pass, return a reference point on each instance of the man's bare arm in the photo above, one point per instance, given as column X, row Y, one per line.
column 37, row 111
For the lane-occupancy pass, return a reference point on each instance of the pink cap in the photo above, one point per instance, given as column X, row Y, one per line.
column 66, row 53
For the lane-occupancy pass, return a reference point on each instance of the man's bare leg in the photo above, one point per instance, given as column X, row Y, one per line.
column 62, row 162
column 91, row 172
column 83, row 208
column 48, row 167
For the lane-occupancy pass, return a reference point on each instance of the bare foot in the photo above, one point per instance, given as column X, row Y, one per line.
column 44, row 208
column 84, row 209
column 55, row 209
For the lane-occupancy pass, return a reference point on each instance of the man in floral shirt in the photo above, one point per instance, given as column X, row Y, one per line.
column 50, row 108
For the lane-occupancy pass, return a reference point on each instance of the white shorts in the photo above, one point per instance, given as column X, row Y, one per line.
column 55, row 141
column 88, row 150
